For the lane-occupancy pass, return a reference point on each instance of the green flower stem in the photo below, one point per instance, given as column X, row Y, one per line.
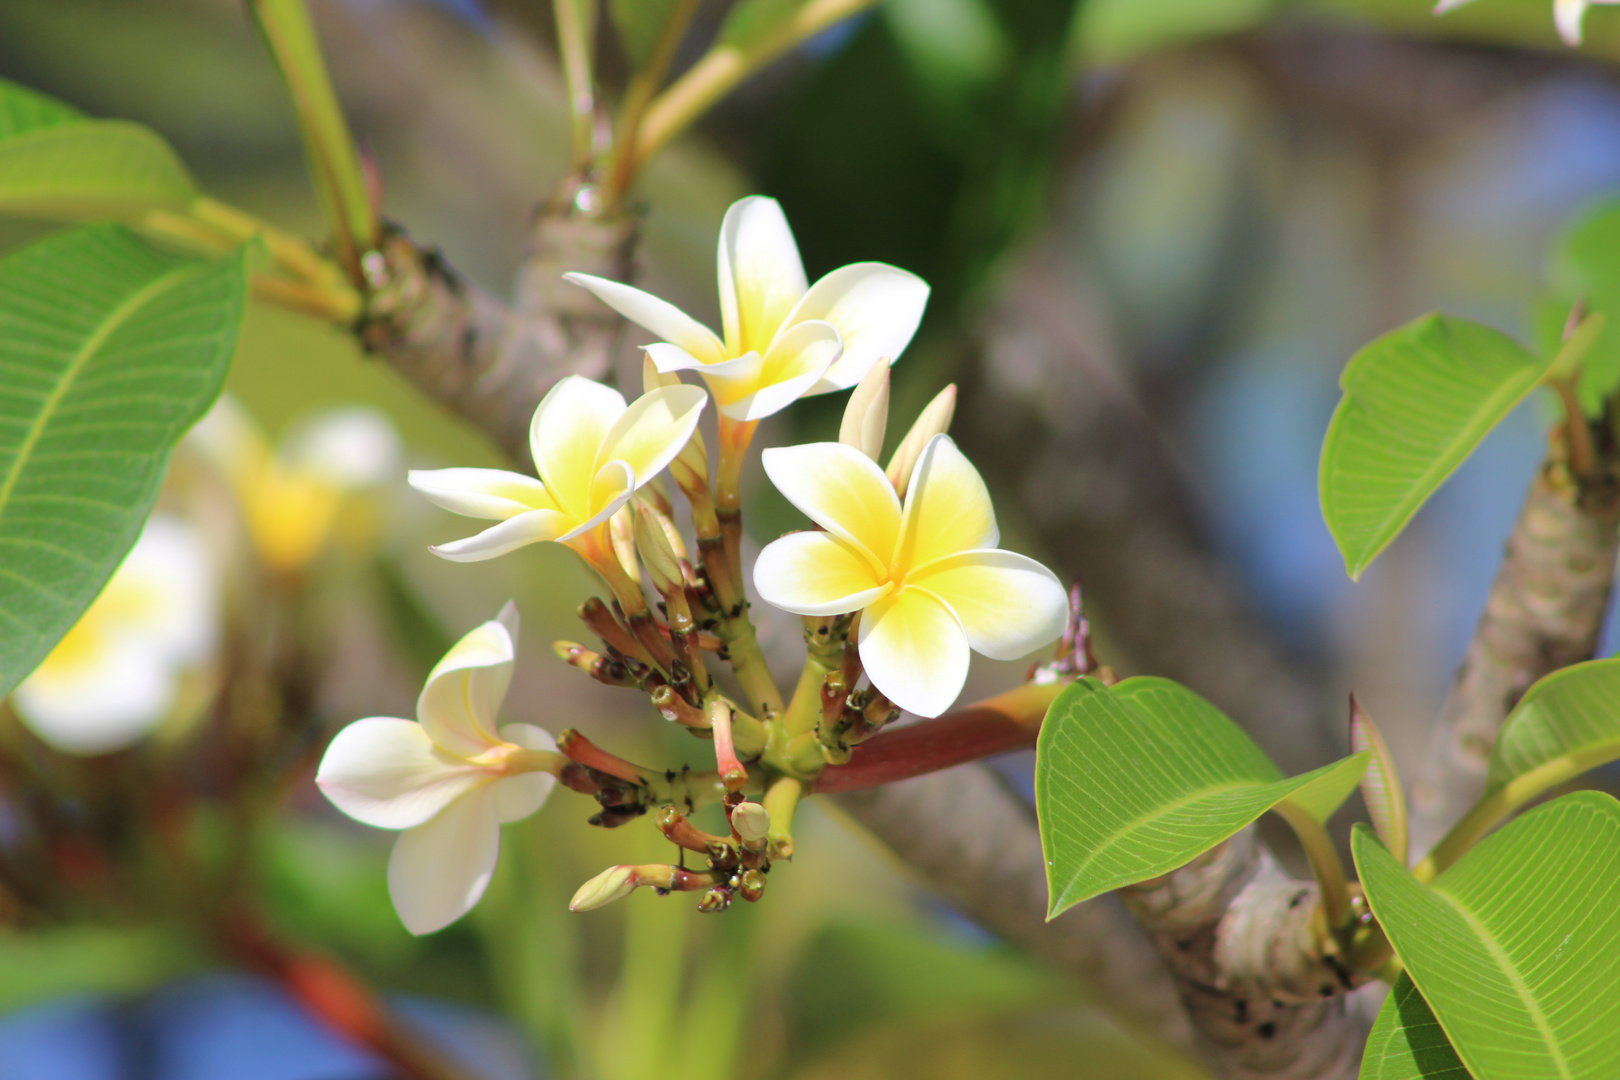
column 781, row 801
column 640, row 93
column 1325, row 864
column 1498, row 804
column 804, row 709
column 574, row 21
column 339, row 179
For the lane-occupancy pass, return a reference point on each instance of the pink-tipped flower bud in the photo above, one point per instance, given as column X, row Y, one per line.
column 934, row 420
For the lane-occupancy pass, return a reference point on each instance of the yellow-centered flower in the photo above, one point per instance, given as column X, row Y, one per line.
column 448, row 779
column 592, row 452
column 927, row 575
column 783, row 338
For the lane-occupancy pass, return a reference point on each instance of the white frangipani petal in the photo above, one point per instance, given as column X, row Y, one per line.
column 386, row 773
column 611, row 488
column 761, row 275
column 111, row 698
column 440, row 869
column 465, row 690
column 659, row 316
column 796, row 360
column 816, row 573
column 840, row 489
column 493, row 494
column 516, row 797
column 1009, row 604
column 673, row 358
column 876, row 308
column 947, row 507
column 914, row 651
column 1568, row 15
column 527, row 528
column 655, row 427
column 566, row 436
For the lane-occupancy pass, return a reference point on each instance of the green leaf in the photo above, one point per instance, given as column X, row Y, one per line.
column 1569, row 718
column 1590, row 259
column 750, row 22
column 1112, row 31
column 1407, row 1042
column 1381, row 785
column 56, row 163
column 1516, row 948
column 1416, row 403
column 109, row 351
column 640, row 24
column 23, row 110
column 1135, row 781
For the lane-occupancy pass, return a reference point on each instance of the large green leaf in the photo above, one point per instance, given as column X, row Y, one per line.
column 1571, row 717
column 109, row 351
column 1591, row 267
column 1407, row 1042
column 1516, row 948
column 1135, row 781
column 56, row 163
column 1416, row 403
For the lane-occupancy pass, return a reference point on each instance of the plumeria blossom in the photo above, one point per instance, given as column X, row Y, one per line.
column 782, row 337
column 292, row 495
column 1567, row 14
column 592, row 452
column 447, row 780
column 926, row 575
column 118, row 673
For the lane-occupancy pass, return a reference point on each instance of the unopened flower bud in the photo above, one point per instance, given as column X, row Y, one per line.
column 614, row 883
column 751, row 886
column 621, row 529
column 751, row 821
column 654, row 495
column 662, row 563
column 934, row 420
column 866, row 416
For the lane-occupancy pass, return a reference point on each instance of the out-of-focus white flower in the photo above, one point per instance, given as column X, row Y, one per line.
column 1567, row 15
column 117, row 674
column 448, row 779
column 783, row 338
column 927, row 576
column 592, row 452
column 291, row 496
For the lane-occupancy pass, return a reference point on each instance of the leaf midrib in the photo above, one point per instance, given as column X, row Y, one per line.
column 1113, row 838
column 1532, row 1005
column 119, row 316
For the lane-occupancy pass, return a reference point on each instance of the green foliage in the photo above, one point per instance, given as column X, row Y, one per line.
column 1516, row 948
column 45, row 964
column 751, row 21
column 109, row 350
column 1416, row 403
column 1591, row 264
column 57, row 163
column 1572, row 717
column 1381, row 785
column 640, row 24
column 1407, row 1042
column 1135, row 781
column 1111, row 31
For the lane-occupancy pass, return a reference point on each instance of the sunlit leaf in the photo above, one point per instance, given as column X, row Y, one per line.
column 1416, row 403
column 1109, row 31
column 56, row 163
column 1135, row 781
column 1570, row 716
column 1407, row 1042
column 1516, row 948
column 1381, row 784
column 109, row 351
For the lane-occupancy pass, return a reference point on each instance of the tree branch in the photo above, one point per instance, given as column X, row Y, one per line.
column 488, row 362
column 1545, row 611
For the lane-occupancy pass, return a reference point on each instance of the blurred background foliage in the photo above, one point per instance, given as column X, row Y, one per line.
column 1196, row 208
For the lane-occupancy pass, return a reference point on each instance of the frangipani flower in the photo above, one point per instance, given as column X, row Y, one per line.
column 448, row 779
column 592, row 452
column 783, row 338
column 1567, row 14
column 292, row 496
column 118, row 673
column 927, row 575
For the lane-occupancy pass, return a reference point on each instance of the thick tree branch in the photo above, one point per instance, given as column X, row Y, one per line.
column 486, row 361
column 1545, row 611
